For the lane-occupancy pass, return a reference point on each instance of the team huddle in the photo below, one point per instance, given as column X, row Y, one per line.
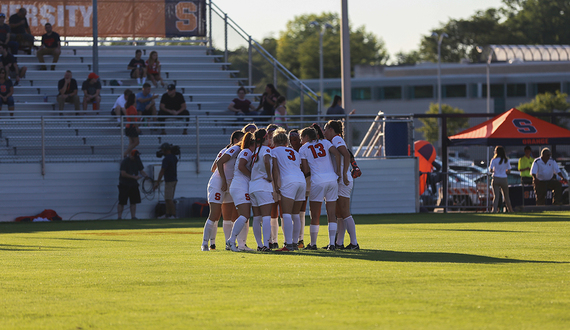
column 269, row 172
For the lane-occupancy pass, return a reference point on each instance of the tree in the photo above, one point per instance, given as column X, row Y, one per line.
column 430, row 126
column 298, row 47
column 548, row 102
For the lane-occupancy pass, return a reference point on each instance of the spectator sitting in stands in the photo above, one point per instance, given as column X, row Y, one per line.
column 138, row 67
column 145, row 102
column 68, row 92
column 5, row 35
column 21, row 30
column 153, row 69
column 281, row 112
column 91, row 91
column 51, row 45
column 267, row 101
column 119, row 108
column 6, row 91
column 242, row 106
column 10, row 63
column 173, row 103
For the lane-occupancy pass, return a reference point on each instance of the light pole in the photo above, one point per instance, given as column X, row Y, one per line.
column 439, row 41
column 321, row 73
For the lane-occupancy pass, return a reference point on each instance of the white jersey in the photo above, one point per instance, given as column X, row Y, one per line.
column 289, row 162
column 229, row 166
column 216, row 179
column 337, row 141
column 240, row 178
column 258, row 174
column 318, row 156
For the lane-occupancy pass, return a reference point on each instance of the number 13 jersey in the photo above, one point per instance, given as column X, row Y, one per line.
column 318, row 156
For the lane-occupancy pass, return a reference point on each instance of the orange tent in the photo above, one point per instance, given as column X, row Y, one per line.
column 512, row 128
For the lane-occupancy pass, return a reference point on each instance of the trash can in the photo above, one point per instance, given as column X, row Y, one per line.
column 395, row 139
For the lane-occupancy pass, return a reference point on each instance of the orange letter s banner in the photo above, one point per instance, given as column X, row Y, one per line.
column 186, row 14
column 185, row 18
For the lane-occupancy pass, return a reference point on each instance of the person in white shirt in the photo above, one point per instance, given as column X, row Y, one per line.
column 544, row 171
column 291, row 186
column 119, row 106
column 218, row 197
column 500, row 167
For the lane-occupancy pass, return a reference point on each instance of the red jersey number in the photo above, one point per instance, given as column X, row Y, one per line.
column 321, row 150
column 291, row 155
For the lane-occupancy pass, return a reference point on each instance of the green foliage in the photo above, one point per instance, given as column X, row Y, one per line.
column 431, row 125
column 310, row 106
column 548, row 102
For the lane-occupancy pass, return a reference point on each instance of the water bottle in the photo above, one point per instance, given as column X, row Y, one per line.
column 45, row 98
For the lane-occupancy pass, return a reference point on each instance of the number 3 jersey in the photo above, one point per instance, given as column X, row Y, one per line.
column 289, row 162
column 320, row 161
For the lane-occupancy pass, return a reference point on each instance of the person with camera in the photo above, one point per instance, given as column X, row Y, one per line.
column 132, row 169
column 169, row 172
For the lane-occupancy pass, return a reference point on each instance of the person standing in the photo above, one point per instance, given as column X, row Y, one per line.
column 51, row 45
column 67, row 88
column 138, row 67
column 170, row 174
column 132, row 169
column 525, row 163
column 132, row 129
column 21, row 29
column 544, row 171
column 91, row 91
column 500, row 167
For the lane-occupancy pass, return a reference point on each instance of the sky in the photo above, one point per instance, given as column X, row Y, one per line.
column 400, row 23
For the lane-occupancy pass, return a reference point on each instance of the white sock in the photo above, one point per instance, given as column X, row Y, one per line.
column 274, row 230
column 242, row 236
column 351, row 229
column 340, row 231
column 139, row 81
column 257, row 230
column 287, row 224
column 302, row 233
column 213, row 232
column 227, row 226
column 266, row 230
column 143, row 80
column 239, row 224
column 296, row 227
column 314, row 231
column 207, row 228
column 332, row 232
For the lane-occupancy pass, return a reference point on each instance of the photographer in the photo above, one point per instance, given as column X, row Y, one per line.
column 131, row 166
column 169, row 172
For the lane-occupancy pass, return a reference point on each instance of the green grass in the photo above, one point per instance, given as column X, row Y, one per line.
column 421, row 271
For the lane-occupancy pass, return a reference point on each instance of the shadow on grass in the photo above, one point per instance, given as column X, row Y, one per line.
column 398, row 256
column 28, row 248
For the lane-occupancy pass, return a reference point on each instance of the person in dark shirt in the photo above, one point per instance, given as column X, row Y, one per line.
column 6, row 91
column 5, row 35
column 173, row 103
column 242, row 106
column 51, row 45
column 67, row 88
column 10, row 63
column 170, row 173
column 267, row 101
column 132, row 169
column 20, row 28
column 138, row 68
column 91, row 91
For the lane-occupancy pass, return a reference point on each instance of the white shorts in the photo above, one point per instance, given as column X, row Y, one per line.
column 324, row 190
column 259, row 198
column 216, row 195
column 240, row 195
column 294, row 190
column 345, row 191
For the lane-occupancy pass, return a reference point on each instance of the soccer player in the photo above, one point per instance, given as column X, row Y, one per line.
column 333, row 132
column 316, row 162
column 217, row 197
column 295, row 143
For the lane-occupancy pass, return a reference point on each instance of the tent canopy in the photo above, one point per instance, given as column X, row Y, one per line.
column 513, row 128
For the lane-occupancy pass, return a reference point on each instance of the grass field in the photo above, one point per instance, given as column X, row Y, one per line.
column 418, row 271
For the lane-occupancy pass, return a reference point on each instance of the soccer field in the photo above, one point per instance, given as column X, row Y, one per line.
column 414, row 271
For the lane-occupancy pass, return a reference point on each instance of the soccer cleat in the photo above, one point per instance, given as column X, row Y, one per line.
column 339, row 246
column 352, row 247
column 292, row 247
column 283, row 249
column 213, row 247
column 263, row 249
column 245, row 248
column 205, row 247
column 311, row 247
column 231, row 246
column 330, row 247
column 301, row 244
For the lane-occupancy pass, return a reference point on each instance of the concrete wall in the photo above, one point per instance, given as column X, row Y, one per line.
column 90, row 189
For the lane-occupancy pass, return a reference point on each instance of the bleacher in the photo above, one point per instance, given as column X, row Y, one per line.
column 207, row 83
